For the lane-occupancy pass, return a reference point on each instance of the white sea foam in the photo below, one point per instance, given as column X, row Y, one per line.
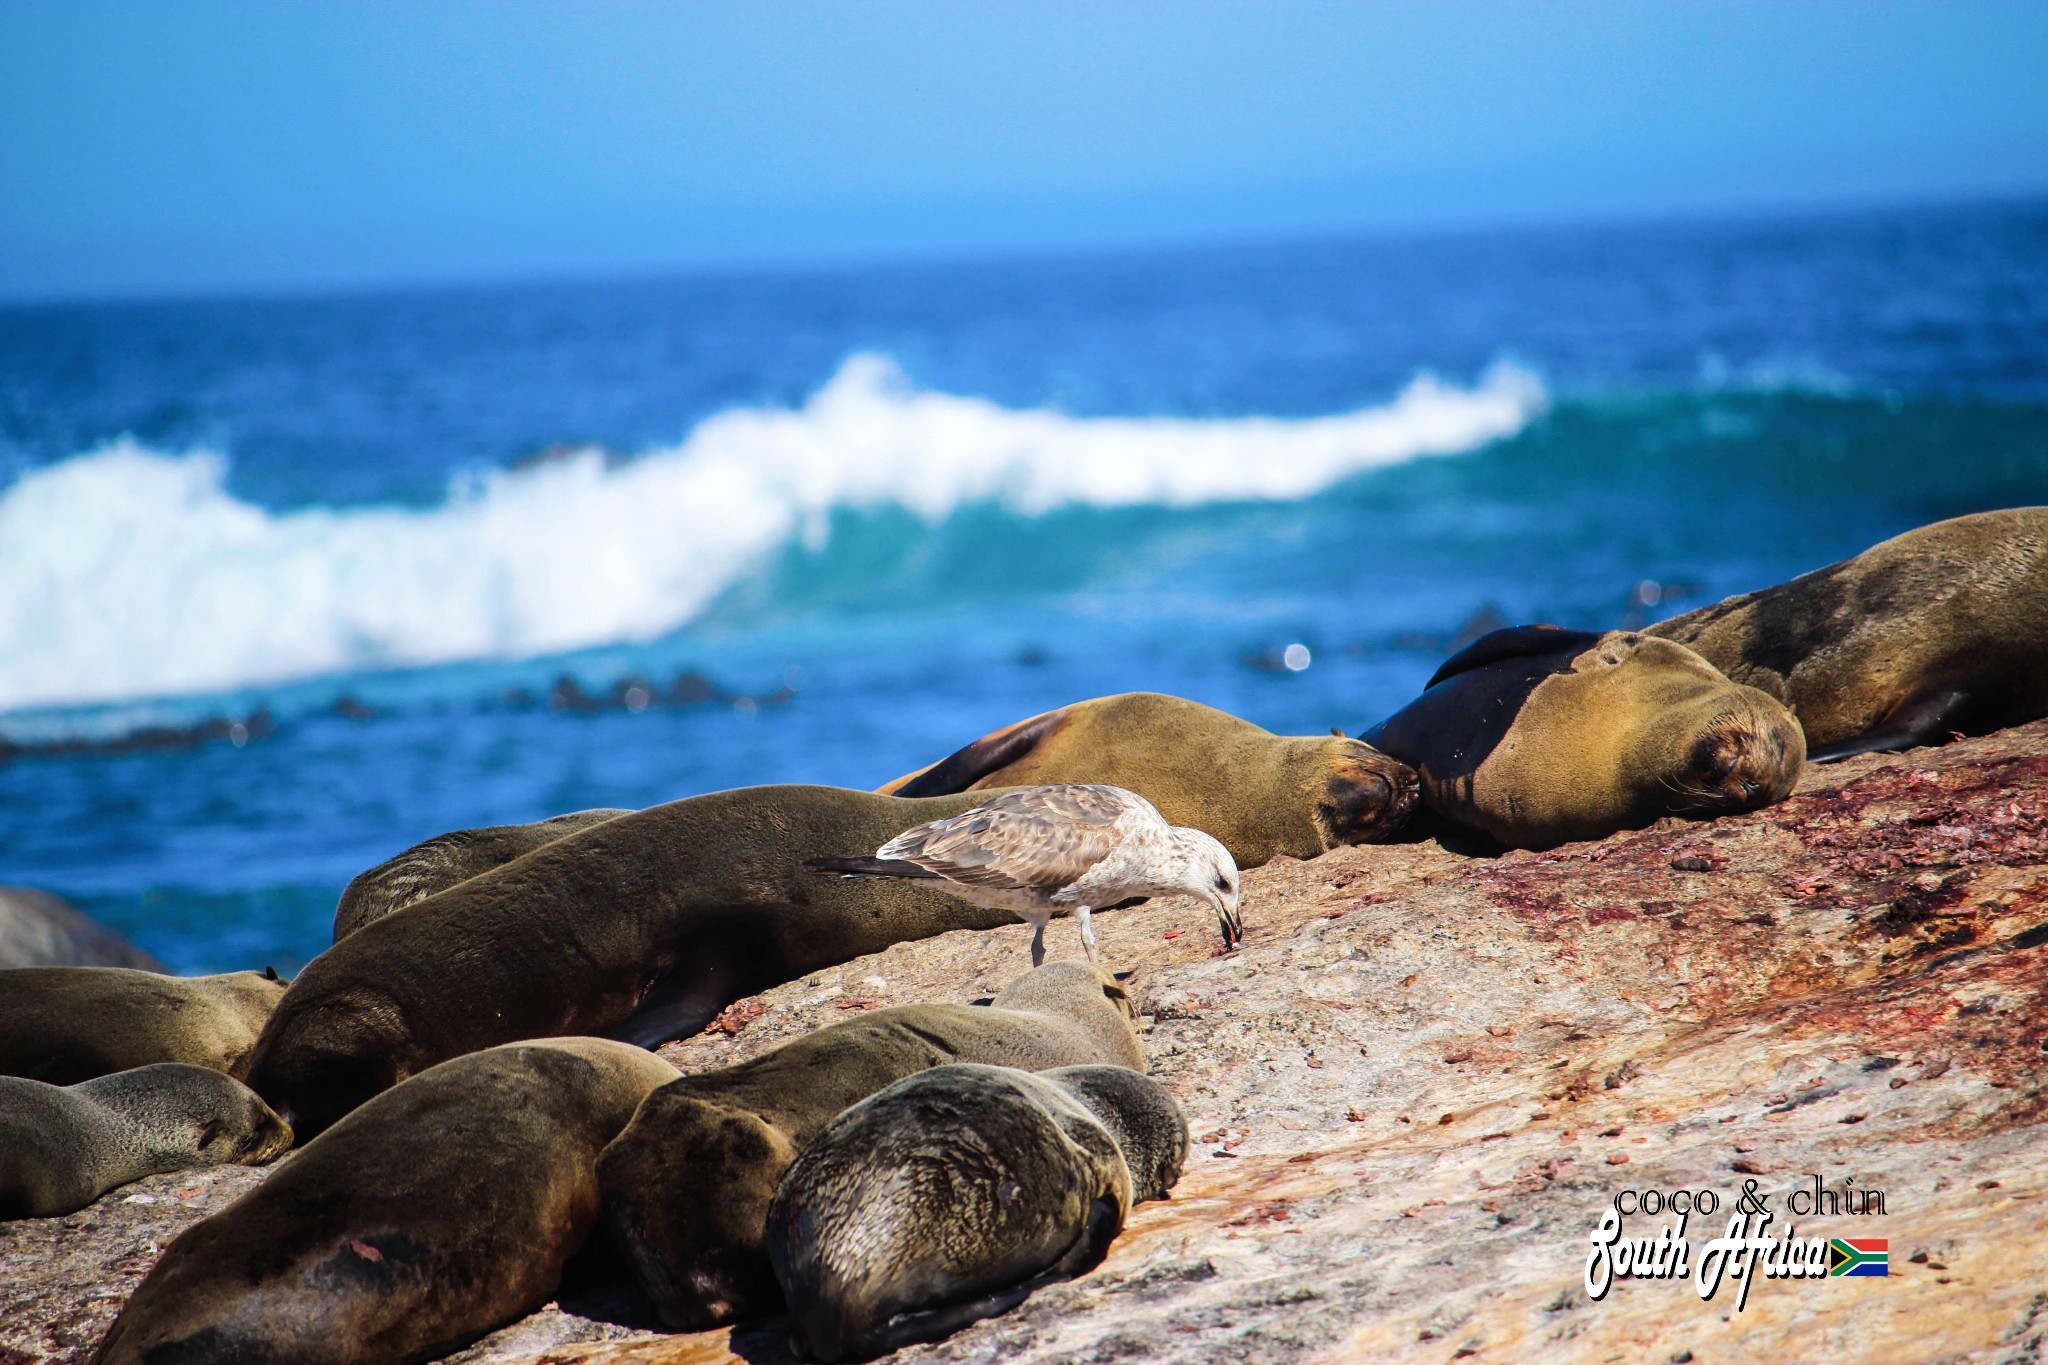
column 130, row 573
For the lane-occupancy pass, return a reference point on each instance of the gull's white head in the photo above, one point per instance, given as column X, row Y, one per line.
column 1207, row 870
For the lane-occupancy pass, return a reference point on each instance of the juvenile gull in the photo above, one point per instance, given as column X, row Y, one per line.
column 1072, row 846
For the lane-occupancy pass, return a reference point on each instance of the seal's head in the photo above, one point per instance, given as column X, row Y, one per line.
column 1715, row 747
column 193, row 1114
column 1077, row 989
column 698, row 1254
column 1141, row 1115
column 317, row 1062
column 1361, row 796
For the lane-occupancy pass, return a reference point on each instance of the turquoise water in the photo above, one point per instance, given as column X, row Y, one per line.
column 826, row 527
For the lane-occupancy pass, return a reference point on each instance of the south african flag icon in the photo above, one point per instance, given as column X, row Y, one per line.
column 1859, row 1256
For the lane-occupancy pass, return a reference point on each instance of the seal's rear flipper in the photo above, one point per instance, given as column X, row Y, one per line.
column 962, row 769
column 1924, row 718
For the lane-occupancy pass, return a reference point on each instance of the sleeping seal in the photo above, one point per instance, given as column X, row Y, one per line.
column 440, row 1210
column 642, row 928
column 1940, row 630
column 952, row 1195
column 1539, row 736
column 687, row 1185
column 435, row 864
column 61, row 1147
column 69, row 1024
column 1261, row 794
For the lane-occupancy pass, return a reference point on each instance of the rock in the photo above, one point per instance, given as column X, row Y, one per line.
column 1874, row 949
column 38, row 929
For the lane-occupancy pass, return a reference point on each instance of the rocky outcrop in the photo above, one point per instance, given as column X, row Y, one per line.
column 38, row 929
column 1425, row 1077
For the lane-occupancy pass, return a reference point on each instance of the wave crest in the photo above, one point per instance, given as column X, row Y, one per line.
column 130, row 573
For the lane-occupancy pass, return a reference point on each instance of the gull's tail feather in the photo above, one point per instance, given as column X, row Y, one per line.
column 869, row 867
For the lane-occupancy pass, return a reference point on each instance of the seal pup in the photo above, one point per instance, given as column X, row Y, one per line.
column 687, row 1185
column 433, row 865
column 1539, row 736
column 68, row 1024
column 1260, row 793
column 437, row 1212
column 1941, row 630
column 642, row 928
column 62, row 1147
column 952, row 1195
column 1074, row 846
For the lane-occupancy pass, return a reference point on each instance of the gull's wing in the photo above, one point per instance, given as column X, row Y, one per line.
column 1036, row 839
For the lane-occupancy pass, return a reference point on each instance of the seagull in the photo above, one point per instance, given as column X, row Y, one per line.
column 1070, row 846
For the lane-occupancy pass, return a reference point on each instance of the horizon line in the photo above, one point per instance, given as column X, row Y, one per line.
column 830, row 260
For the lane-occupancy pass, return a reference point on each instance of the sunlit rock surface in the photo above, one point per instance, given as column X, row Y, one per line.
column 1425, row 1077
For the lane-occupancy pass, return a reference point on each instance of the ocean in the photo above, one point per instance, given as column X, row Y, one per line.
column 289, row 584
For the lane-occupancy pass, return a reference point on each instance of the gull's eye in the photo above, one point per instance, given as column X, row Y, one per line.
column 1223, row 883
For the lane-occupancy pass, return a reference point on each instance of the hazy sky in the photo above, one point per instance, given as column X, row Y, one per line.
column 208, row 146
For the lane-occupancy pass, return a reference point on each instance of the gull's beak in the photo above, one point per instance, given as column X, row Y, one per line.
column 1227, row 920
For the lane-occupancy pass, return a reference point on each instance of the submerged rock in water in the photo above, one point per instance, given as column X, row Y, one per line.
column 38, row 929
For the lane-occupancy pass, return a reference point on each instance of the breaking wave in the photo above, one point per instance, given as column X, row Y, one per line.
column 127, row 572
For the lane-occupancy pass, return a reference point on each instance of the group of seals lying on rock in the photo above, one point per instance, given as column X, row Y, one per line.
column 1943, row 629
column 69, row 1024
column 61, row 1147
column 641, row 927
column 953, row 1194
column 453, row 1168
column 436, row 1212
column 451, row 1203
column 687, row 1185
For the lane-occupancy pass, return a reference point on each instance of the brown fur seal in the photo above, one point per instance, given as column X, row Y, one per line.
column 954, row 1194
column 687, row 1185
column 1940, row 630
column 640, row 928
column 434, row 865
column 61, row 1147
column 68, row 1024
column 435, row 1213
column 1538, row 736
column 1261, row 794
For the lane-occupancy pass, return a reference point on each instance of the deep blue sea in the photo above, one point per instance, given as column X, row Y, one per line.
column 417, row 561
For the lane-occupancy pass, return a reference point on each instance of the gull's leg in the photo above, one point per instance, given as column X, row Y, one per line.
column 1087, row 932
column 1038, row 943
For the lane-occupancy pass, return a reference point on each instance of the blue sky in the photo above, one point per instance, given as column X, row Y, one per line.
column 208, row 147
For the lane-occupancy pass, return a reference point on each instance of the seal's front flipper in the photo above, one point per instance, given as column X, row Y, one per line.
column 677, row 1005
column 1923, row 718
column 1513, row 642
column 963, row 768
